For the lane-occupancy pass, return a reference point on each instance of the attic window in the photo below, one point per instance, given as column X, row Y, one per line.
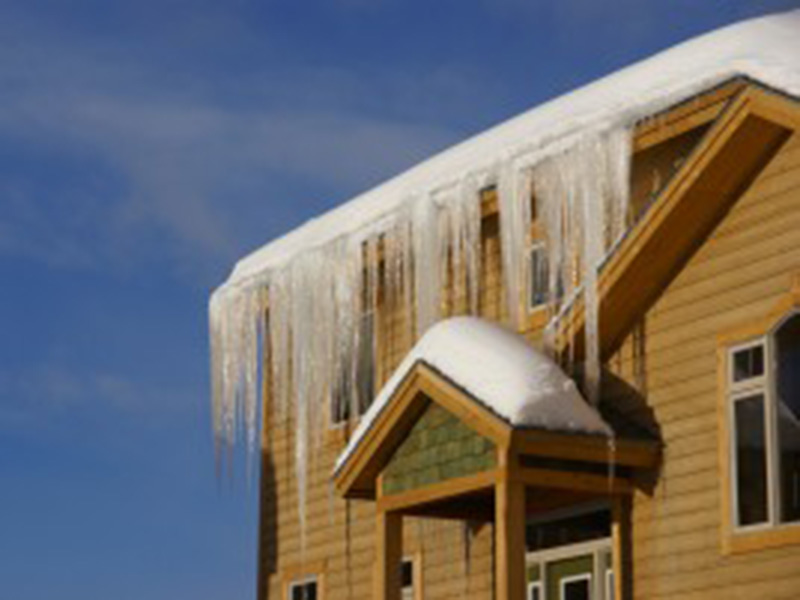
column 539, row 275
column 362, row 384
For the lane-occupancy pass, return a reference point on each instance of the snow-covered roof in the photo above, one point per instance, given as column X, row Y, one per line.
column 766, row 49
column 498, row 369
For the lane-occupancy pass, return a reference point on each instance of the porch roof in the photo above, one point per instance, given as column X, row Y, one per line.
column 499, row 371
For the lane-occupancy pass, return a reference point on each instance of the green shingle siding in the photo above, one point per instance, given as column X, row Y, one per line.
column 439, row 447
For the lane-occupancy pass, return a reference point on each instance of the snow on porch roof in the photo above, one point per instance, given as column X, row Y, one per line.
column 500, row 370
column 766, row 49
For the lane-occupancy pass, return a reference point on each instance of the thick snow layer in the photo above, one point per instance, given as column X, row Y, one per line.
column 501, row 371
column 765, row 49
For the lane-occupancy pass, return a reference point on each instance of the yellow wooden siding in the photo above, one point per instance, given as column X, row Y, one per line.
column 739, row 273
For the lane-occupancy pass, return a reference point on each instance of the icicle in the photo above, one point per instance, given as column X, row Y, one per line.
column 280, row 307
column 236, row 325
column 427, row 263
column 514, row 196
column 470, row 203
column 584, row 194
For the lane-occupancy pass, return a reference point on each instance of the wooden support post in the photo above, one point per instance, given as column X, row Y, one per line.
column 621, row 547
column 388, row 554
column 509, row 529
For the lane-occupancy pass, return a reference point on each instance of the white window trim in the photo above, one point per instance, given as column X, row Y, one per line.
column 536, row 245
column 765, row 385
column 564, row 581
column 595, row 548
column 412, row 587
column 752, row 382
column 609, row 580
column 536, row 585
column 740, row 390
column 301, row 582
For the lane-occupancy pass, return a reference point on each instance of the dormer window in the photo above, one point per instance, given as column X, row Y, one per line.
column 362, row 384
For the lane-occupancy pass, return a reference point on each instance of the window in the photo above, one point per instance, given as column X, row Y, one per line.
column 362, row 381
column 538, row 276
column 610, row 586
column 577, row 587
column 407, row 579
column 535, row 590
column 764, row 422
column 305, row 589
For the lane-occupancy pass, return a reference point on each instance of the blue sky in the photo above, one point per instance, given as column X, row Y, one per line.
column 144, row 146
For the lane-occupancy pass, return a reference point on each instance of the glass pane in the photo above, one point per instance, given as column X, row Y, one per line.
column 539, row 276
column 751, row 460
column 407, row 574
column 310, row 591
column 365, row 369
column 610, row 587
column 787, row 346
column 748, row 363
column 534, row 592
column 576, row 590
column 304, row 591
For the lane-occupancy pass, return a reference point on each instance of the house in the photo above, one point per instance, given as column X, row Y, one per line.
column 558, row 361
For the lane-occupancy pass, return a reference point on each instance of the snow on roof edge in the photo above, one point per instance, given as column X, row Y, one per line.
column 765, row 49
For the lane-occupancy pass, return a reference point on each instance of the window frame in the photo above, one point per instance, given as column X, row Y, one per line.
column 536, row 246
column 302, row 574
column 416, row 575
column 339, row 425
column 534, row 585
column 742, row 390
column 564, row 581
column 597, row 576
column 302, row 583
column 771, row 533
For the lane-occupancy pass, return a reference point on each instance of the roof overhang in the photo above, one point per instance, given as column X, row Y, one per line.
column 744, row 137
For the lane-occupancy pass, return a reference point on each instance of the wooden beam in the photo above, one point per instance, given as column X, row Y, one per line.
column 388, row 555
column 421, row 385
column 469, row 410
column 509, row 540
column 568, row 480
column 695, row 112
column 590, row 448
column 449, row 488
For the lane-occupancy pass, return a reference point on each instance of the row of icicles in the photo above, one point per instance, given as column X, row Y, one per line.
column 315, row 300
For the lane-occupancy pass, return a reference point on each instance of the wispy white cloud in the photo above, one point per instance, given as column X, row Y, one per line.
column 191, row 168
column 43, row 394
